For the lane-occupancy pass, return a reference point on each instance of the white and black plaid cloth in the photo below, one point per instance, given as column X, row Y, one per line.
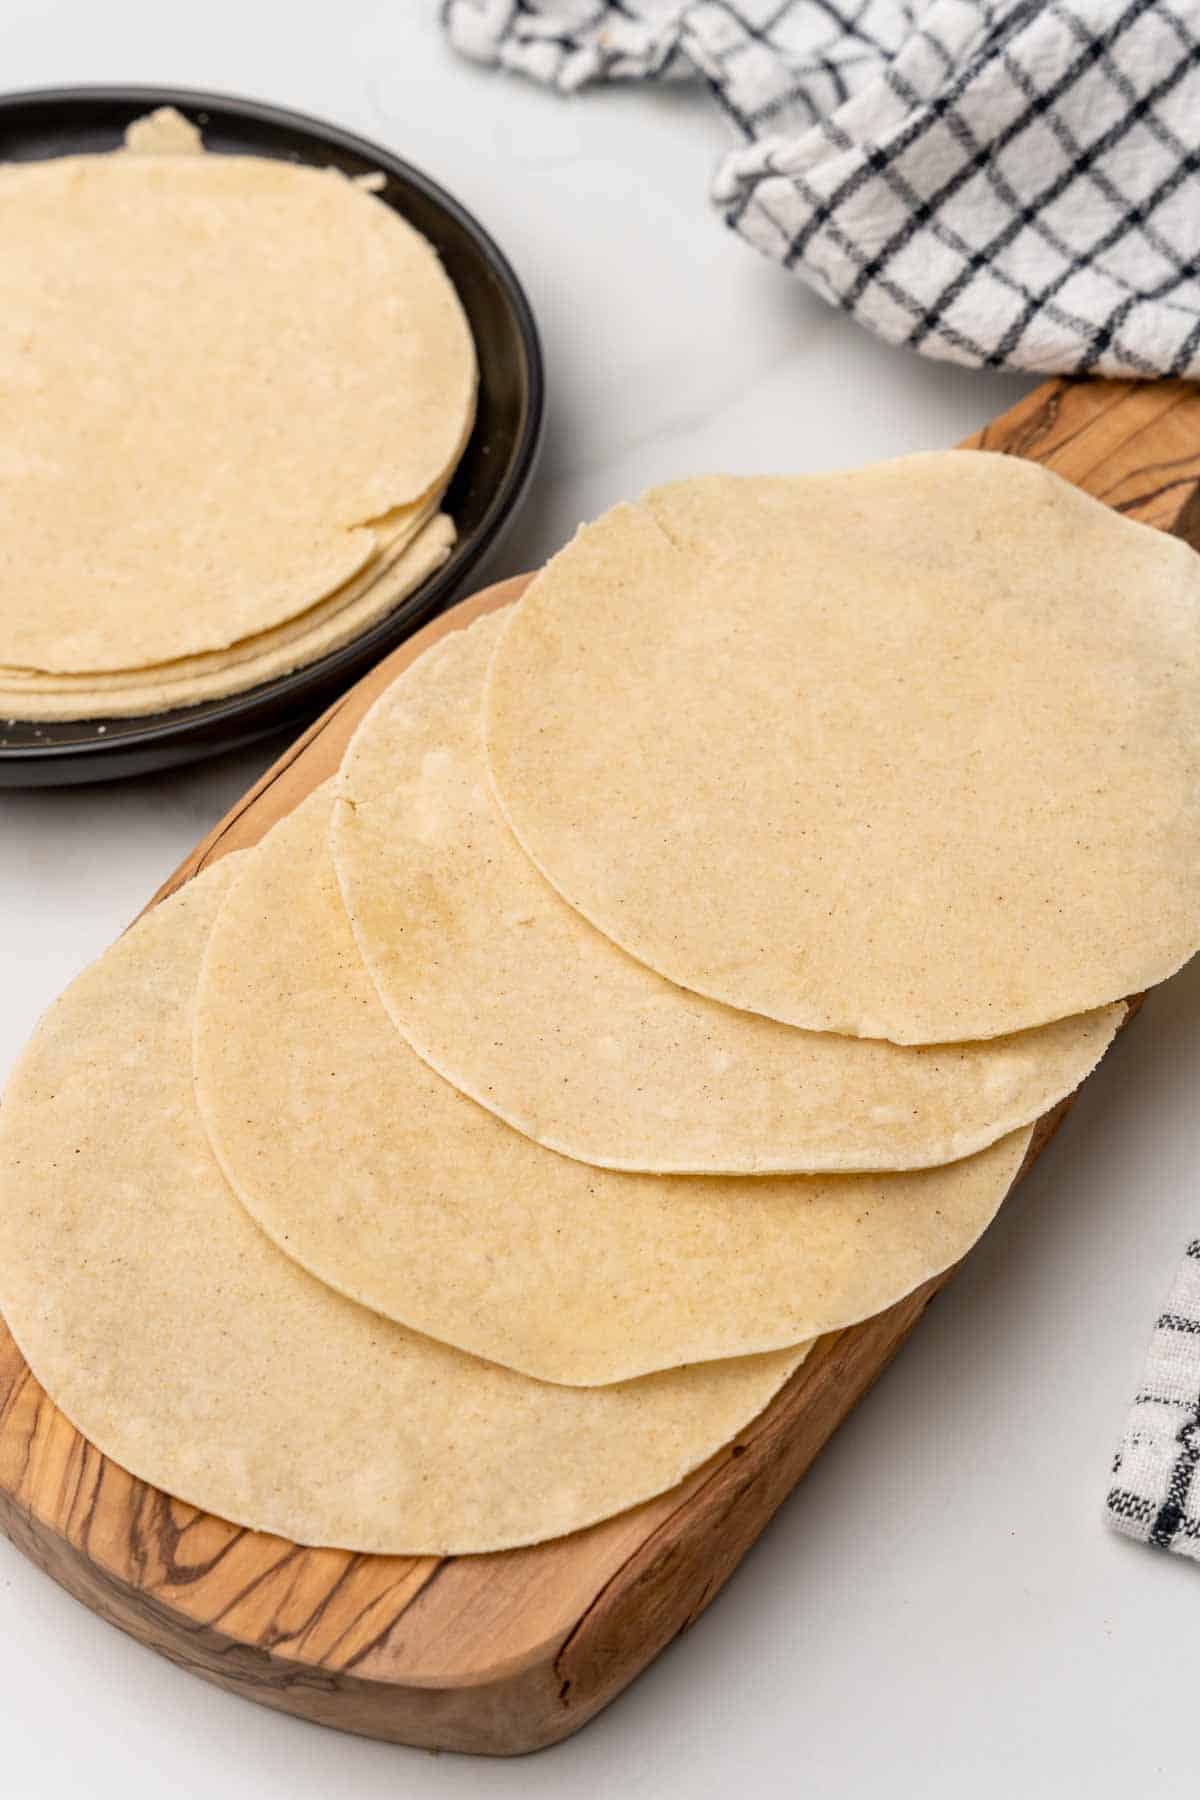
column 1006, row 183
column 1155, row 1495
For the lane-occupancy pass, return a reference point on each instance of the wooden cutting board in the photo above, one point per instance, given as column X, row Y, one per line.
column 509, row 1652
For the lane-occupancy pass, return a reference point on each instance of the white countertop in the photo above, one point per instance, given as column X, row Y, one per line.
column 938, row 1609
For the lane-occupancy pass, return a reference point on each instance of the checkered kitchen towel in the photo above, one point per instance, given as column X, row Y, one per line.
column 1006, row 183
column 1155, row 1494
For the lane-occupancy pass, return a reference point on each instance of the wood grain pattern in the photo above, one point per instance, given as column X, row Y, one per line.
column 510, row 1652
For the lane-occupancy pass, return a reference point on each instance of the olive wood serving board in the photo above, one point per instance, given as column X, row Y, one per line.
column 510, row 1652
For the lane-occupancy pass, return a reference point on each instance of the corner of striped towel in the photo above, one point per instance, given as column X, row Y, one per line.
column 1155, row 1494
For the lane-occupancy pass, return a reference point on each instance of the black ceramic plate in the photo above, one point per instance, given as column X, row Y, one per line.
column 486, row 488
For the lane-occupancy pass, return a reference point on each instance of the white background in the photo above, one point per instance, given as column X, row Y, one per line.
column 939, row 1608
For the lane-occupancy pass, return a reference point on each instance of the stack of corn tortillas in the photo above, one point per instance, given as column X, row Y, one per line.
column 673, row 973
column 238, row 389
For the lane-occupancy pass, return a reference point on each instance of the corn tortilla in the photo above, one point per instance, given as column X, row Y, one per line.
column 910, row 752
column 393, row 1187
column 180, row 1341
column 512, row 996
column 392, row 535
column 274, row 652
column 222, row 371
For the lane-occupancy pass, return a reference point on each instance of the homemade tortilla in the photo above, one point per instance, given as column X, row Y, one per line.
column 911, row 752
column 222, row 371
column 392, row 535
column 393, row 1187
column 517, row 1000
column 176, row 1337
column 274, row 652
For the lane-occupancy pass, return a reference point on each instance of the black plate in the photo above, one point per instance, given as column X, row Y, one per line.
column 486, row 487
